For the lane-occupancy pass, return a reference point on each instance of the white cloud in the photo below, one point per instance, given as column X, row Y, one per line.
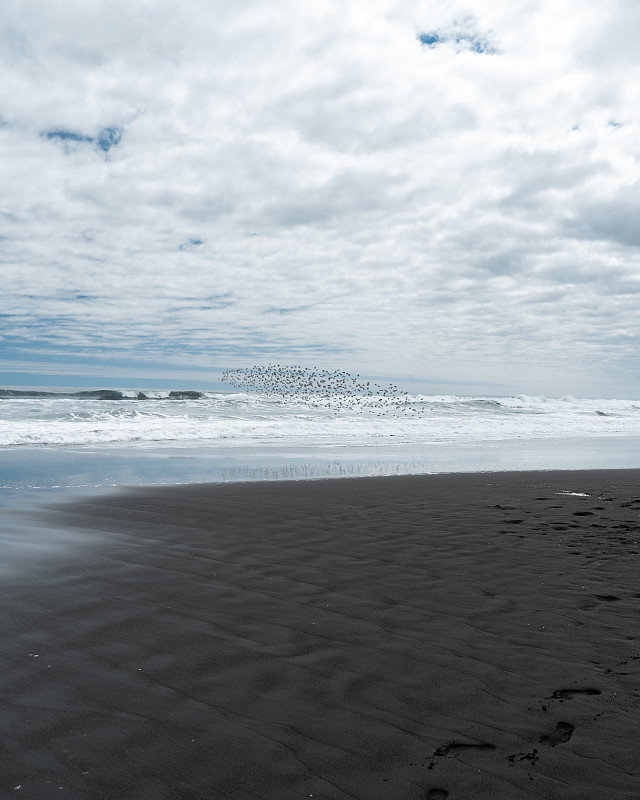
column 246, row 182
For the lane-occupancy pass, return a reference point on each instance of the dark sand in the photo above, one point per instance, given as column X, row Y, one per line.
column 460, row 636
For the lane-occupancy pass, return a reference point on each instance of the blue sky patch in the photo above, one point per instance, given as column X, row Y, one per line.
column 66, row 135
column 105, row 140
column 475, row 42
column 430, row 39
column 191, row 243
column 108, row 138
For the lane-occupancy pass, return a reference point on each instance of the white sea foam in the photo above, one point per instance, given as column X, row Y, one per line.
column 238, row 419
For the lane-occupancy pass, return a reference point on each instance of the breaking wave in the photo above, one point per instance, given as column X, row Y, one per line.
column 237, row 418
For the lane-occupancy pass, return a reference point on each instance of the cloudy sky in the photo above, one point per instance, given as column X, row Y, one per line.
column 442, row 193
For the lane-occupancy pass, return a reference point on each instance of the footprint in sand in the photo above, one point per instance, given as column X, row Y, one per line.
column 561, row 735
column 453, row 747
column 532, row 757
column 567, row 694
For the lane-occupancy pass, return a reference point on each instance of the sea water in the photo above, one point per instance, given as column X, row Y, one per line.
column 50, row 440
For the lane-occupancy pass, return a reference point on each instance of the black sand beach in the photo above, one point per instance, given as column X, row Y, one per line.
column 467, row 637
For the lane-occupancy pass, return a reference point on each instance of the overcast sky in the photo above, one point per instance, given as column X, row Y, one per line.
column 439, row 191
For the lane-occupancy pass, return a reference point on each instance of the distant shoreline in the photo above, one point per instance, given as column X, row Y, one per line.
column 85, row 466
column 97, row 394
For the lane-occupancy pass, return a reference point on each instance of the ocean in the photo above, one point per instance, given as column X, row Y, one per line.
column 71, row 438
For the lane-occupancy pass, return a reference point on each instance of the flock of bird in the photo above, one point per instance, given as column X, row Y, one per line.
column 320, row 387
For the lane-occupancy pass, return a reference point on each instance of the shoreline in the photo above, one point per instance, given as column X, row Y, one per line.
column 109, row 466
column 388, row 638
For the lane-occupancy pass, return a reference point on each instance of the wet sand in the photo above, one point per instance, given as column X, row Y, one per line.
column 448, row 636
